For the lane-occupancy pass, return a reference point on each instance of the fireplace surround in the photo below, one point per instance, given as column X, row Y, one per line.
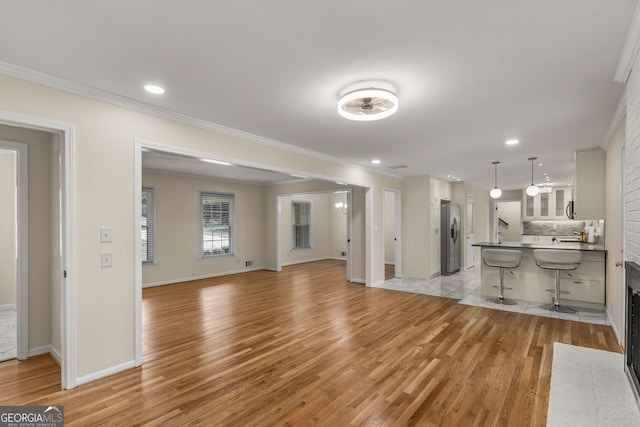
column 632, row 348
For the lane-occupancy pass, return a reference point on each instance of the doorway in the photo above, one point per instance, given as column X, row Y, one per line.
column 9, row 254
column 470, row 229
column 392, row 234
column 312, row 226
column 54, row 149
column 507, row 221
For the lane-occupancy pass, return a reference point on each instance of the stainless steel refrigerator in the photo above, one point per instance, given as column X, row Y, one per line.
column 450, row 238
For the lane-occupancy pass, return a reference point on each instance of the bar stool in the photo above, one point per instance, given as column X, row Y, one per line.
column 502, row 259
column 557, row 260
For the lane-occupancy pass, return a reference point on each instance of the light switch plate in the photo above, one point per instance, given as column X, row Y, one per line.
column 106, row 259
column 106, row 234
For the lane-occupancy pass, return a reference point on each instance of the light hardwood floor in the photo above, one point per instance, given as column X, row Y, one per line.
column 305, row 347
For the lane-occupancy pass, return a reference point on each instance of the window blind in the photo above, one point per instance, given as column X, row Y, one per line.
column 148, row 225
column 216, row 219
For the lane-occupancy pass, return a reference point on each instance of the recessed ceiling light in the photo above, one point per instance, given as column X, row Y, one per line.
column 375, row 161
column 539, row 164
column 458, row 179
column 367, row 104
column 512, row 142
column 156, row 90
column 217, row 162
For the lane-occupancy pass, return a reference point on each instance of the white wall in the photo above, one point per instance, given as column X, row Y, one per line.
column 389, row 227
column 510, row 212
column 416, row 235
column 177, row 201
column 8, row 232
column 632, row 168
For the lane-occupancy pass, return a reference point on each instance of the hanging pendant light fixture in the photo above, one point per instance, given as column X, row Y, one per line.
column 533, row 189
column 495, row 192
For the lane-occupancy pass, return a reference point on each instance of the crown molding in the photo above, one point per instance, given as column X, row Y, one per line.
column 630, row 49
column 621, row 112
column 33, row 76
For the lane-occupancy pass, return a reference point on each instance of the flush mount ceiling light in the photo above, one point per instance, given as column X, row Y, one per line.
column 376, row 161
column 533, row 189
column 156, row 90
column 495, row 192
column 512, row 142
column 367, row 104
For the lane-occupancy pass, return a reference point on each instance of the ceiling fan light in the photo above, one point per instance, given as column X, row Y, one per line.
column 387, row 104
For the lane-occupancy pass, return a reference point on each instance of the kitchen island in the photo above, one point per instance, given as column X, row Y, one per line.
column 530, row 282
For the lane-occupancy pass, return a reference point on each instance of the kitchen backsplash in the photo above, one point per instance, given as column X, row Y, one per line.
column 561, row 228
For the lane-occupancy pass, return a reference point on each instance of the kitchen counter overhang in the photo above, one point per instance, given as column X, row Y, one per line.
column 586, row 285
column 560, row 245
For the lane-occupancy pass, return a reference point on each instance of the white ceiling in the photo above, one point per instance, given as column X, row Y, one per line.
column 469, row 74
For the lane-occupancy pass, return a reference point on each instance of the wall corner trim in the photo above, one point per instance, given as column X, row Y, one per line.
column 621, row 112
column 630, row 49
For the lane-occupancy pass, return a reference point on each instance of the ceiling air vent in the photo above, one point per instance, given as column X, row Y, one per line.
column 398, row 167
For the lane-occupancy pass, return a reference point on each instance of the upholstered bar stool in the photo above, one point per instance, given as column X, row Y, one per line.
column 557, row 260
column 502, row 259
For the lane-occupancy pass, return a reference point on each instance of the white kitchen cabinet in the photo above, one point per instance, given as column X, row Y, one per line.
column 546, row 205
column 537, row 207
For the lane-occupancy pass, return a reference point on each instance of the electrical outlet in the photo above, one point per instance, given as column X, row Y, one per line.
column 343, row 254
column 248, row 263
column 106, row 259
column 106, row 234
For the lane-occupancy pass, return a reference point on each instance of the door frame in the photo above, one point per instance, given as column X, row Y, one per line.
column 468, row 249
column 65, row 136
column 22, row 244
column 397, row 230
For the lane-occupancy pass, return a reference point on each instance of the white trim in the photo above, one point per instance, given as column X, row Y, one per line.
column 205, row 276
column 304, row 261
column 630, row 49
column 368, row 238
column 620, row 114
column 137, row 253
column 613, row 326
column 23, row 73
column 46, row 349
column 397, row 230
column 66, row 134
column 354, row 280
column 378, row 284
column 337, row 258
column 22, row 236
column 106, row 372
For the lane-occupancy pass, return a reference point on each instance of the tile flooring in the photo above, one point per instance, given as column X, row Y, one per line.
column 8, row 336
column 465, row 287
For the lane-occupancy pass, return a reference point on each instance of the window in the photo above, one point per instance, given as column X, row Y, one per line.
column 148, row 225
column 301, row 221
column 216, row 219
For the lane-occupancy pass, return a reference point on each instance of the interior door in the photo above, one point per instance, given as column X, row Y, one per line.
column 471, row 201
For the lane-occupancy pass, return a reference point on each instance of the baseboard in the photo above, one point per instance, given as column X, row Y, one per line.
column 338, row 258
column 46, row 349
column 285, row 264
column 206, row 276
column 358, row 281
column 378, row 284
column 106, row 372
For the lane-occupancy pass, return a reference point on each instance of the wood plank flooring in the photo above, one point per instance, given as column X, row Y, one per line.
column 305, row 347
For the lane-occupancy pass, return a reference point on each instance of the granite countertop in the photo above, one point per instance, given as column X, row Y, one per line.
column 518, row 245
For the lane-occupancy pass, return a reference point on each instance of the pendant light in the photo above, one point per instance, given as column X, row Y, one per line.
column 533, row 189
column 495, row 192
